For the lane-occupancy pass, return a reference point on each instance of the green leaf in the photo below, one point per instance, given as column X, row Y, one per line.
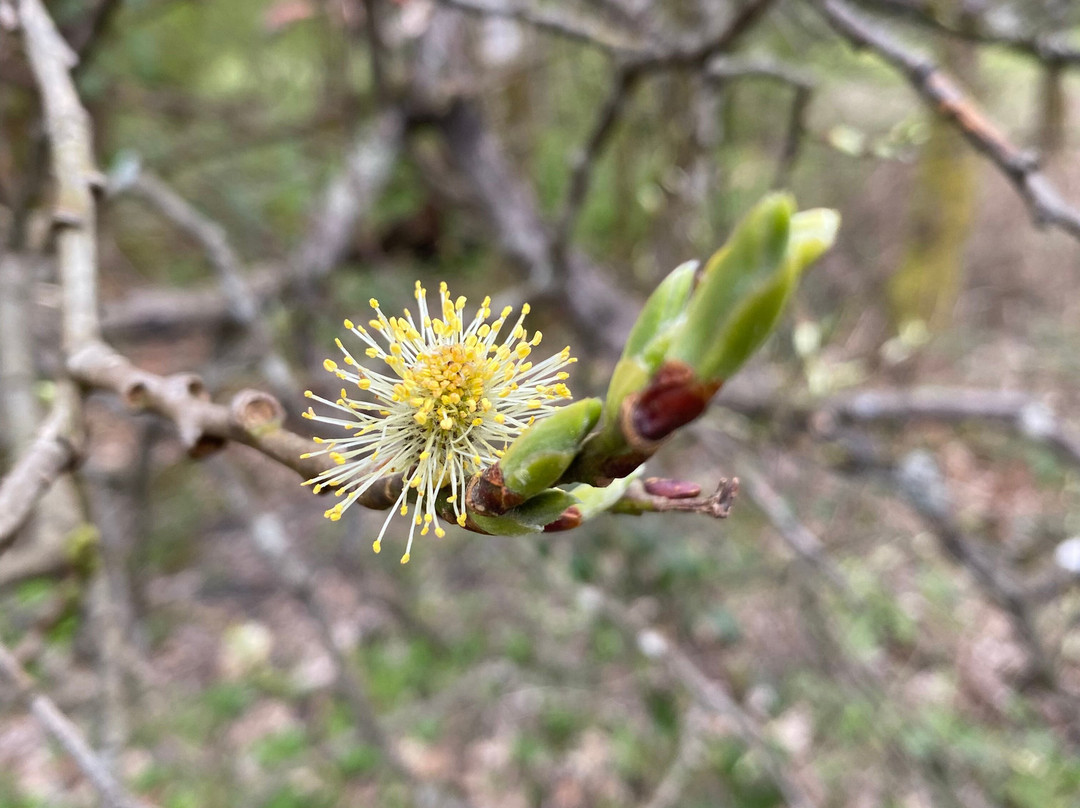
column 530, row 516
column 539, row 456
column 650, row 336
column 759, row 284
column 593, row 501
column 747, row 263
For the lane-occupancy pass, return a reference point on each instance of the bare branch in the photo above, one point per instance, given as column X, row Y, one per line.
column 74, row 170
column 805, row 544
column 64, row 731
column 1049, row 48
column 688, row 759
column 603, row 311
column 626, row 81
column 241, row 299
column 923, row 485
column 49, row 456
column 271, row 539
column 1024, row 413
column 548, row 19
column 347, row 197
column 253, row 418
column 709, row 693
column 940, row 93
column 659, row 496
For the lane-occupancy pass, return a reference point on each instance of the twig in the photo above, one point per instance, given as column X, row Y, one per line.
column 376, row 50
column 717, row 505
column 1019, row 411
column 548, row 19
column 253, row 418
column 923, row 485
column 688, row 759
column 50, row 455
column 940, row 92
column 351, row 193
column 601, row 309
column 626, row 81
column 242, row 302
column 74, row 170
column 271, row 539
column 65, row 733
column 18, row 405
column 1049, row 48
column 709, row 693
column 795, row 534
column 794, row 137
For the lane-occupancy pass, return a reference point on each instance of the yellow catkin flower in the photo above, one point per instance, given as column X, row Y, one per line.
column 449, row 401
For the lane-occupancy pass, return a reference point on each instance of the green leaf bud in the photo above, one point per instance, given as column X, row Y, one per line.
column 529, row 517
column 743, row 266
column 539, row 456
column 650, row 336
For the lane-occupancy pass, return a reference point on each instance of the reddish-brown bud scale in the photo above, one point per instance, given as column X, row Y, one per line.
column 673, row 399
column 486, row 494
column 671, row 489
column 568, row 520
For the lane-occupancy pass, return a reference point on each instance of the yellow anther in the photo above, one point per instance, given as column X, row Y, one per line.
column 461, row 520
column 405, row 559
column 440, row 532
column 348, row 324
column 373, row 303
column 377, row 546
column 330, row 365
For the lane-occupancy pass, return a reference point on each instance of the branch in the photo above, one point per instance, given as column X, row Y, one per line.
column 348, row 196
column 548, row 19
column 602, row 310
column 665, row 496
column 1021, row 412
column 626, row 81
column 1051, row 49
column 241, row 299
column 688, row 759
column 940, row 92
column 922, row 484
column 65, row 733
column 271, row 539
column 709, row 693
column 68, row 127
column 49, row 456
column 253, row 418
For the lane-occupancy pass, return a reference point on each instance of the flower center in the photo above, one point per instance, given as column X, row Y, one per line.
column 446, row 385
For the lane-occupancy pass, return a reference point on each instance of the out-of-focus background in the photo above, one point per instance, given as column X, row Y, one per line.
column 889, row 616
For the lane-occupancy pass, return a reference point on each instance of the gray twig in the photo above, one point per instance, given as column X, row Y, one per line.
column 65, row 733
column 946, row 98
